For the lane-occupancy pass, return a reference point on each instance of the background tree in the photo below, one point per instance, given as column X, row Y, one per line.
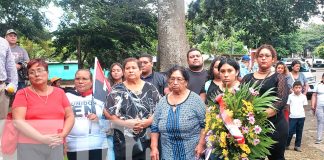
column 111, row 30
column 319, row 51
column 26, row 17
column 262, row 20
column 173, row 43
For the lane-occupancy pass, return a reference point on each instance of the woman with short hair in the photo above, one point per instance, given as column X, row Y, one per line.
column 42, row 115
column 87, row 139
column 131, row 105
column 296, row 75
column 179, row 121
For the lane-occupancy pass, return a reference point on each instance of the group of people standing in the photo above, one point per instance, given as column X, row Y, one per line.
column 144, row 110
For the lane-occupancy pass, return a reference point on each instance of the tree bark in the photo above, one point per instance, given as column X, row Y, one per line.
column 173, row 43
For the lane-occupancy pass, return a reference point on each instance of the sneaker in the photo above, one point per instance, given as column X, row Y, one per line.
column 318, row 141
column 297, row 149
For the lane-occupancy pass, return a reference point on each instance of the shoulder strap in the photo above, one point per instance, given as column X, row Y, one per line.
column 292, row 77
column 207, row 84
column 25, row 93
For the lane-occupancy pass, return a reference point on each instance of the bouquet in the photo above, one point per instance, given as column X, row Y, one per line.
column 237, row 124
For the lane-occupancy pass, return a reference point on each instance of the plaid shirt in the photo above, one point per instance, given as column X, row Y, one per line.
column 8, row 71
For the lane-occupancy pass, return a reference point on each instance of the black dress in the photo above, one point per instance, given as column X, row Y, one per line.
column 281, row 90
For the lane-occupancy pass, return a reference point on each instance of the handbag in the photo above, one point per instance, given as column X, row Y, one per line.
column 9, row 136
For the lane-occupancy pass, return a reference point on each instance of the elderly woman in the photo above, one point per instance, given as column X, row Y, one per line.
column 266, row 79
column 116, row 74
column 318, row 108
column 87, row 139
column 131, row 105
column 295, row 75
column 43, row 116
column 179, row 120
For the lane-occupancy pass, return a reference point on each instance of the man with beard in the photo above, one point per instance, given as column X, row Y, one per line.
column 197, row 74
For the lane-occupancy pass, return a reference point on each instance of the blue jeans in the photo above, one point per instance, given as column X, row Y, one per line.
column 110, row 151
column 296, row 126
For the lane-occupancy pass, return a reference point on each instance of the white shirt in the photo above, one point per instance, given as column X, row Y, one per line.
column 86, row 135
column 319, row 89
column 297, row 103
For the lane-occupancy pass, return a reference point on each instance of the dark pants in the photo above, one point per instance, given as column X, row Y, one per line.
column 96, row 154
column 277, row 151
column 125, row 149
column 296, row 126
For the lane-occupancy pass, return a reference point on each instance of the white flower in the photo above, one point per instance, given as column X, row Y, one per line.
column 237, row 122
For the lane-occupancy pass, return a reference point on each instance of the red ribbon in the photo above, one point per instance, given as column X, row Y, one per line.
column 228, row 121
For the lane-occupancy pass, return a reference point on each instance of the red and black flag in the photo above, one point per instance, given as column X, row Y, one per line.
column 101, row 87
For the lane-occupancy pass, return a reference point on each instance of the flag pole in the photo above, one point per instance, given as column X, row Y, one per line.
column 93, row 89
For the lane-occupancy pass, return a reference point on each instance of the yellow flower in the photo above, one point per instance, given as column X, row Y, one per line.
column 211, row 138
column 248, row 105
column 245, row 148
column 225, row 152
column 243, row 155
column 251, row 134
column 229, row 112
column 222, row 144
column 223, row 137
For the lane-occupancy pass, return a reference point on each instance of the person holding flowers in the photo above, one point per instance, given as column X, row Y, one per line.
column 266, row 79
column 229, row 70
column 179, row 120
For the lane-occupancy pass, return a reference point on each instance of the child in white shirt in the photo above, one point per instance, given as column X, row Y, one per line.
column 296, row 102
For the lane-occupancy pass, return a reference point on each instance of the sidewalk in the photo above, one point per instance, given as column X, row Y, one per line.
column 310, row 150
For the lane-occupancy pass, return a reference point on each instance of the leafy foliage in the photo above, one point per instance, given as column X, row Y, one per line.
column 43, row 49
column 320, row 51
column 262, row 20
column 111, row 30
column 25, row 17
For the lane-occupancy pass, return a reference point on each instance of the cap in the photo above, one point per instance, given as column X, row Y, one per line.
column 55, row 79
column 246, row 58
column 11, row 31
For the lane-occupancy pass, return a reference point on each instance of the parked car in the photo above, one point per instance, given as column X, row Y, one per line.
column 318, row 63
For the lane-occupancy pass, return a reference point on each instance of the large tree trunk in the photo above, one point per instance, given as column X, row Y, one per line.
column 173, row 42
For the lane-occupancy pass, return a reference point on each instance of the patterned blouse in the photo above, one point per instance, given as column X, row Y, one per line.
column 179, row 129
column 126, row 104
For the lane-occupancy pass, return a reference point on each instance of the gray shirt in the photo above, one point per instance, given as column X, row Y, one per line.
column 20, row 55
column 8, row 71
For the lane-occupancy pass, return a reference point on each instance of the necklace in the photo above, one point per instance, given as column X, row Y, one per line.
column 40, row 96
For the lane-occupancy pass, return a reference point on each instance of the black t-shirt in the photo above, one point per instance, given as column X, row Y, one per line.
column 197, row 80
column 158, row 80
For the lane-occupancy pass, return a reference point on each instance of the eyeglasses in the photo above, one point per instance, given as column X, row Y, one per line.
column 172, row 80
column 37, row 71
column 265, row 55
